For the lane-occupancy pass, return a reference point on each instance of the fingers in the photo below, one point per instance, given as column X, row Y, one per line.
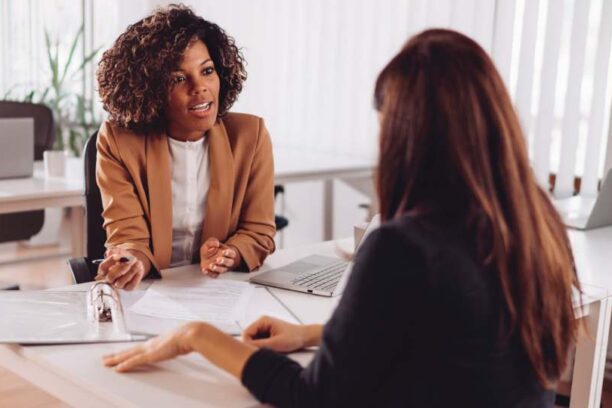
column 258, row 329
column 220, row 264
column 111, row 360
column 136, row 279
column 122, row 273
column 135, row 361
column 129, row 359
column 275, row 343
column 114, row 257
column 210, row 246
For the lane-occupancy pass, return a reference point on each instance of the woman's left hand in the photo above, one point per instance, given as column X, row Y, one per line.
column 217, row 258
column 157, row 349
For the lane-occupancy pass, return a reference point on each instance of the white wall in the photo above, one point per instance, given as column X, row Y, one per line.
column 312, row 67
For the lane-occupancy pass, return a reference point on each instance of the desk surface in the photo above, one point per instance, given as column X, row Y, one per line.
column 74, row 373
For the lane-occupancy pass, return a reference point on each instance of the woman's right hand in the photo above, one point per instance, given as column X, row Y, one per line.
column 123, row 269
column 281, row 336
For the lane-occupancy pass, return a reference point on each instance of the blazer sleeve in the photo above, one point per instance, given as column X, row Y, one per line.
column 254, row 237
column 124, row 218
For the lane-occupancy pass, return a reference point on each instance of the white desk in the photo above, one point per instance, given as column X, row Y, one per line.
column 38, row 193
column 292, row 165
column 74, row 373
column 593, row 256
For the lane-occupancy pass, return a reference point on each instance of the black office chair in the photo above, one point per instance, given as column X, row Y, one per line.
column 83, row 270
column 23, row 225
column 280, row 221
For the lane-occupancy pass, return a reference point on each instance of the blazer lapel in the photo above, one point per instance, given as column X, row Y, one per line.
column 220, row 193
column 160, row 197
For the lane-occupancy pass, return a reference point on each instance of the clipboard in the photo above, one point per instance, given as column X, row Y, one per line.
column 54, row 317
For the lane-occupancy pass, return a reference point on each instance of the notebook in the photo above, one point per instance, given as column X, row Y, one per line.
column 63, row 317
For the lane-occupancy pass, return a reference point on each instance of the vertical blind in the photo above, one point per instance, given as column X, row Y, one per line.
column 559, row 71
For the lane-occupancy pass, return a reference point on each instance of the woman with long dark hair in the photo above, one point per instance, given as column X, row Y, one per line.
column 463, row 297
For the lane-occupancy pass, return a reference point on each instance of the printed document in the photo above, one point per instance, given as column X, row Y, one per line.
column 220, row 302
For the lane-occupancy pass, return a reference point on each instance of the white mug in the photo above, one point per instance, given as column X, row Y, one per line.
column 55, row 163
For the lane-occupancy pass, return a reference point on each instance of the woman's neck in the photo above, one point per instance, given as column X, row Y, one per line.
column 186, row 136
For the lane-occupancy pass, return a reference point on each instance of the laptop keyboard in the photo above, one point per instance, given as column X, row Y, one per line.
column 324, row 279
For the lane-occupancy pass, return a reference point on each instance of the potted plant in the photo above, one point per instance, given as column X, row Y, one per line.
column 74, row 114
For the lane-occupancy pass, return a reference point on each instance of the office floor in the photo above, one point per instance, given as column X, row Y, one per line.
column 45, row 267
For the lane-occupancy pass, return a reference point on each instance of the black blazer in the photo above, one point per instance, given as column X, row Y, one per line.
column 417, row 326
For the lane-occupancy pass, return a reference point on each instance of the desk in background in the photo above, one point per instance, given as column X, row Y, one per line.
column 39, row 192
column 291, row 166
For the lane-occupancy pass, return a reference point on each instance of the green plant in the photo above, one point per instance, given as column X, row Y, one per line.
column 74, row 114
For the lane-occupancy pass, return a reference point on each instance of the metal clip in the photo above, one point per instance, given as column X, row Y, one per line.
column 102, row 298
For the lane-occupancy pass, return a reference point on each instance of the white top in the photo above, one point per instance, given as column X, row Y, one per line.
column 190, row 183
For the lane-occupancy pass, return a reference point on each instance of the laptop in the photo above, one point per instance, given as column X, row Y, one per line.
column 316, row 274
column 585, row 213
column 16, row 147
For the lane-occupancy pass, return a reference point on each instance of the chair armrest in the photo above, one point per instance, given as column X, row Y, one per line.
column 82, row 270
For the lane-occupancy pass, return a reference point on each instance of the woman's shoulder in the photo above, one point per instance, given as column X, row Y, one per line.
column 241, row 121
column 109, row 129
column 244, row 131
column 243, row 125
column 110, row 132
column 409, row 236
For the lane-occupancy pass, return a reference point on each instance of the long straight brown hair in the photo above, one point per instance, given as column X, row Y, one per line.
column 451, row 145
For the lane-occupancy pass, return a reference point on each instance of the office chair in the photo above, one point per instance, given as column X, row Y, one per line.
column 83, row 270
column 280, row 221
column 23, row 225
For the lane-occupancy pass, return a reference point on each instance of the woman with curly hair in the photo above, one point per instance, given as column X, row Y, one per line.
column 182, row 179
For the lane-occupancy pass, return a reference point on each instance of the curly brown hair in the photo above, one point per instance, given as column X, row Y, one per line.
column 134, row 75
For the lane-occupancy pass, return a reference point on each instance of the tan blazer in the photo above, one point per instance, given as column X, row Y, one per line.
column 133, row 173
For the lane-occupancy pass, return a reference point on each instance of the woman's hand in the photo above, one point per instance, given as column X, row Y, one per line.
column 124, row 269
column 157, row 349
column 217, row 258
column 219, row 348
column 281, row 336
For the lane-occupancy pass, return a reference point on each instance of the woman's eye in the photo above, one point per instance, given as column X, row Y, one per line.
column 178, row 79
column 208, row 70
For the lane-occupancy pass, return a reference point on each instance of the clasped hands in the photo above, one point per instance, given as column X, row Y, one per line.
column 124, row 268
column 217, row 258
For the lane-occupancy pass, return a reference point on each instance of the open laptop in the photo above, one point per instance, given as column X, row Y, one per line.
column 316, row 274
column 16, row 147
column 585, row 213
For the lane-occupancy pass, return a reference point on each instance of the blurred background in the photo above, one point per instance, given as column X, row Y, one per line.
column 311, row 72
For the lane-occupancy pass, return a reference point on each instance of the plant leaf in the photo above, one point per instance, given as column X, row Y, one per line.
column 75, row 42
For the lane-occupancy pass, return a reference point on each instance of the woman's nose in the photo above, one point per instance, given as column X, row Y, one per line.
column 199, row 86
